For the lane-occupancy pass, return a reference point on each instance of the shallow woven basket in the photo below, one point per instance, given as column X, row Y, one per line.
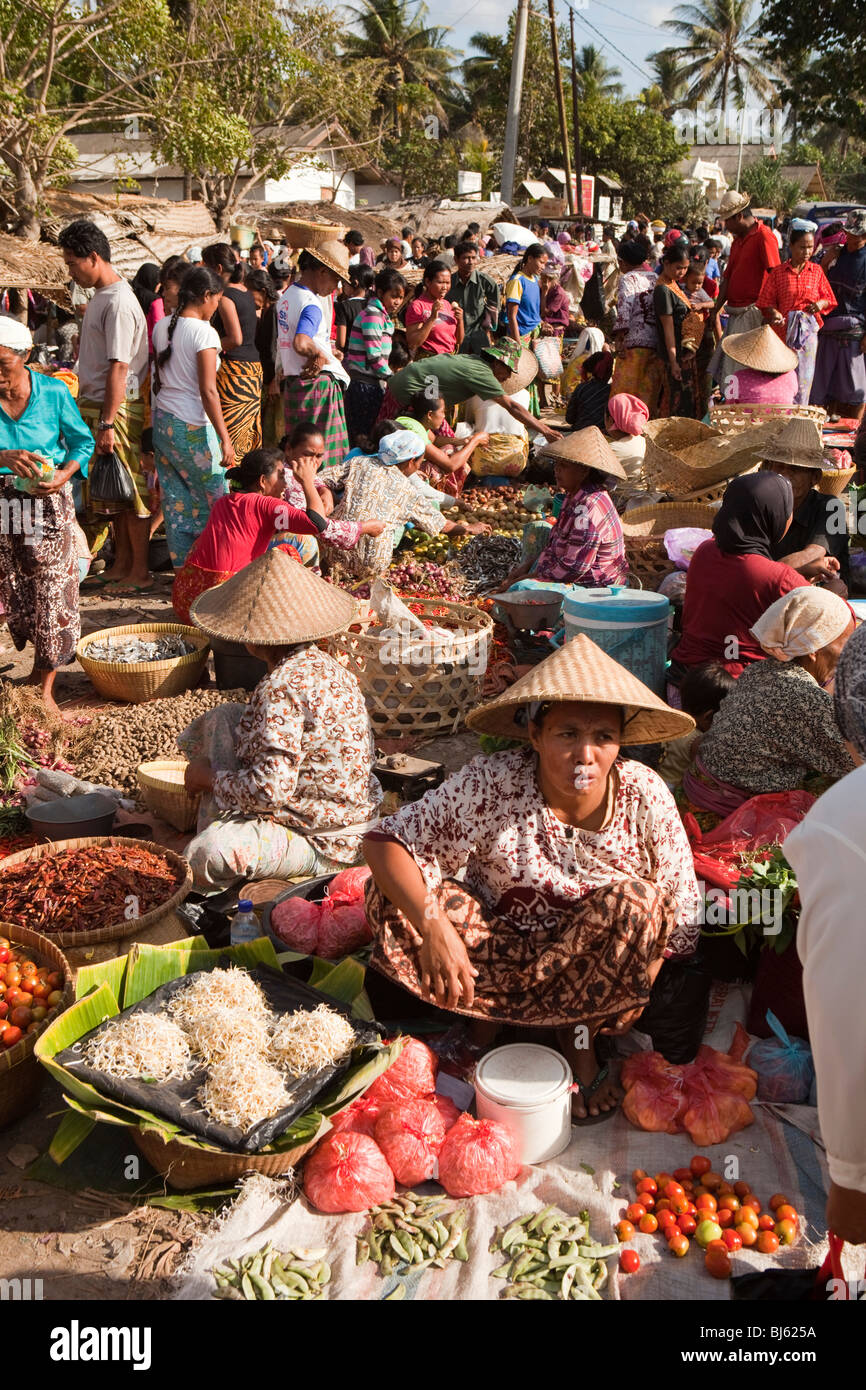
column 21, row 1076
column 683, row 467
column 186, row 1169
column 420, row 699
column 164, row 794
column 644, row 528
column 300, row 234
column 734, row 416
column 114, row 930
column 834, row 481
column 145, row 680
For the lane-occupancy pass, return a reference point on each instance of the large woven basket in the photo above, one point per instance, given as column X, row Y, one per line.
column 164, row 793
column 187, row 1169
column 834, row 481
column 145, row 680
column 429, row 698
column 733, row 416
column 681, row 468
column 112, row 931
column 21, row 1076
column 644, row 529
column 300, row 234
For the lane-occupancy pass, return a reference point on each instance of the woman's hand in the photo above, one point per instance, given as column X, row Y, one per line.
column 446, row 971
column 676, row 371
column 61, row 478
column 373, row 528
column 305, row 469
column 773, row 316
column 550, row 435
column 198, row 776
column 22, row 462
column 228, row 453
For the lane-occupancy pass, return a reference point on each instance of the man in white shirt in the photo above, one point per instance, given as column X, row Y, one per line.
column 112, row 366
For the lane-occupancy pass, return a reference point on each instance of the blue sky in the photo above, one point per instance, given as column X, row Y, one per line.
column 613, row 27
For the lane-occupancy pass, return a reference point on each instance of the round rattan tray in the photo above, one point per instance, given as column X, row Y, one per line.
column 21, row 1075
column 145, row 680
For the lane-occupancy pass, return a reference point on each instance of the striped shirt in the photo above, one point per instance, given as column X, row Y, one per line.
column 370, row 342
column 586, row 545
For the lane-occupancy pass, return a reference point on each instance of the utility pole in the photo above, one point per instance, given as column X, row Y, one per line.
column 560, row 102
column 742, row 134
column 515, row 94
column 575, row 119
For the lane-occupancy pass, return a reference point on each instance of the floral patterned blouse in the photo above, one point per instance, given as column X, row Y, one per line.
column 491, row 819
column 774, row 731
column 377, row 491
column 344, row 534
column 305, row 753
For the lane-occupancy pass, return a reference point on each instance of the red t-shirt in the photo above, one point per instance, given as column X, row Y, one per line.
column 751, row 257
column 240, row 528
column 725, row 597
column 443, row 335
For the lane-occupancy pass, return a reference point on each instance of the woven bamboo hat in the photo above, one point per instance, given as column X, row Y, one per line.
column 273, row 602
column 798, row 445
column 334, row 254
column 522, row 362
column 581, row 673
column 731, row 203
column 588, row 447
column 761, row 349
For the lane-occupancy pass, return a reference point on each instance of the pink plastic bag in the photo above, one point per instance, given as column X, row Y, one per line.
column 477, row 1156
column 296, row 922
column 413, row 1074
column 410, row 1135
column 347, row 1172
column 654, row 1096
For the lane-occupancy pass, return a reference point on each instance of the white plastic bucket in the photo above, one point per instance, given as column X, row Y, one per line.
column 527, row 1088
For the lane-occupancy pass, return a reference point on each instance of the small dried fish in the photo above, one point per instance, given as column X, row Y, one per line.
column 128, row 651
column 486, row 560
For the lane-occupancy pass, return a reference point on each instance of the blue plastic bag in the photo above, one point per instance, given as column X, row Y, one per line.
column 784, row 1066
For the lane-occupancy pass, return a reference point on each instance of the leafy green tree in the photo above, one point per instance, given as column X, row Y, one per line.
column 763, row 180
column 722, row 51
column 486, row 76
column 595, row 75
column 636, row 146
column 821, row 44
column 669, row 91
column 409, row 52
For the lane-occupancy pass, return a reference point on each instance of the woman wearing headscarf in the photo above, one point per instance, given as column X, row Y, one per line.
column 144, row 284
column 776, row 731
column 765, row 369
column 624, row 422
column 827, row 851
column 733, row 579
column 638, row 370
column 40, row 425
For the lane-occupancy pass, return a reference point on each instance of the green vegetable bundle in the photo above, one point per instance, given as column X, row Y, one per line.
column 551, row 1256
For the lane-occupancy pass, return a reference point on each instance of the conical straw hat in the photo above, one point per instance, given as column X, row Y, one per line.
column 798, row 444
column 761, row 349
column 332, row 254
column 274, row 602
column 588, row 447
column 580, row 672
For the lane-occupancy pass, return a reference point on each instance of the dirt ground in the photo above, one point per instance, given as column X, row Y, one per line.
column 84, row 1243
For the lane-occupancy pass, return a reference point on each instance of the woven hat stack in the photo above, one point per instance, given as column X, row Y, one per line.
column 798, row 445
column 588, row 447
column 274, row 602
column 761, row 349
column 581, row 673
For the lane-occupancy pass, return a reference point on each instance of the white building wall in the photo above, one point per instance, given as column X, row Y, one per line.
column 308, row 181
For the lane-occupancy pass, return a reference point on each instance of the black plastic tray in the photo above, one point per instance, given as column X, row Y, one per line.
column 176, row 1100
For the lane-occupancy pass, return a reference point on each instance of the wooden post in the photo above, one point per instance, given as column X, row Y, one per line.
column 575, row 120
column 560, row 102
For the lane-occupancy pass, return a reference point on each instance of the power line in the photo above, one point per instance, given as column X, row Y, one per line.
column 641, row 23
column 578, row 14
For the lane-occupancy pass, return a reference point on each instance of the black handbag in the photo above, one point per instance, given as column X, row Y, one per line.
column 111, row 489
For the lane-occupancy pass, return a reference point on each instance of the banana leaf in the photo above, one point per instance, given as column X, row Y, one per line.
column 72, row 1131
column 152, row 966
column 107, row 972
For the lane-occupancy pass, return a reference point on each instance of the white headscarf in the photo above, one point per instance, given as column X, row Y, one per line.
column 801, row 622
column 14, row 334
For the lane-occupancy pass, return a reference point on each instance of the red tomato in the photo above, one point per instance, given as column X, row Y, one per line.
column 718, row 1264
column 687, row 1224
column 711, row 1181
column 648, row 1224
column 777, row 1200
column 724, row 1189
column 692, row 1209
column 55, row 979
column 629, row 1261
column 5, row 955
column 679, row 1245
column 680, row 1205
column 667, row 1221
column 747, row 1216
column 4, row 1008
column 765, row 1222
column 729, row 1201
column 661, row 1179
column 21, row 1018
column 786, row 1231
column 753, row 1202
column 635, row 1212
column 742, row 1189
column 647, row 1185
column 700, row 1165
column 663, row 1204
column 787, row 1213
column 733, row 1240
column 41, row 990
column 683, row 1175
column 672, row 1189
column 748, row 1235
column 767, row 1243
column 638, row 1175
column 17, row 997
column 725, row 1217
column 624, row 1231
column 647, row 1200
column 706, row 1202
column 11, row 1036
column 12, row 976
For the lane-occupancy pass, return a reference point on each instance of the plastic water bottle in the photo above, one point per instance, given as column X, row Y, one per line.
column 245, row 924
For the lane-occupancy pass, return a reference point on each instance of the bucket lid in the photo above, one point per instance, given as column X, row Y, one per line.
column 522, row 1074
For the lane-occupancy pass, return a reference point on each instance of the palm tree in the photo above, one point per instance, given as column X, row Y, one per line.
column 722, row 52
column 413, row 53
column 595, row 76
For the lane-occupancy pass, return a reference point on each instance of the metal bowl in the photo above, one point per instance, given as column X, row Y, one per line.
column 530, row 610
column 73, row 817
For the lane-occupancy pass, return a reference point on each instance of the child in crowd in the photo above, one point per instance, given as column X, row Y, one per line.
column 702, row 691
column 352, row 301
column 368, row 353
column 446, row 462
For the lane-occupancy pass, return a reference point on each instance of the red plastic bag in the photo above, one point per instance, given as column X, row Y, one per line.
column 447, row 1109
column 342, row 928
column 712, row 1115
column 410, row 1135
column 654, row 1095
column 349, row 884
column 347, row 1172
column 722, row 1073
column 413, row 1074
column 296, row 922
column 360, row 1117
column 762, row 820
column 477, row 1156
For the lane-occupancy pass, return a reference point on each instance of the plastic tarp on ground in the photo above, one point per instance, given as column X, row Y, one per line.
column 774, row 1155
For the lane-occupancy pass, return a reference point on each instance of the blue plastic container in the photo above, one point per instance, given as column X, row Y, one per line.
column 630, row 625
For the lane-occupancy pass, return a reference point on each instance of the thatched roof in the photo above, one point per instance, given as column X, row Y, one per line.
column 268, row 217
column 138, row 229
column 31, row 265
column 439, row 217
column 499, row 268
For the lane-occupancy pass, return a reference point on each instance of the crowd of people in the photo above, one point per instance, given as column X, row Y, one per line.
column 286, row 418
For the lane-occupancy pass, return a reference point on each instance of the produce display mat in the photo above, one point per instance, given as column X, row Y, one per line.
column 773, row 1154
column 176, row 1100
